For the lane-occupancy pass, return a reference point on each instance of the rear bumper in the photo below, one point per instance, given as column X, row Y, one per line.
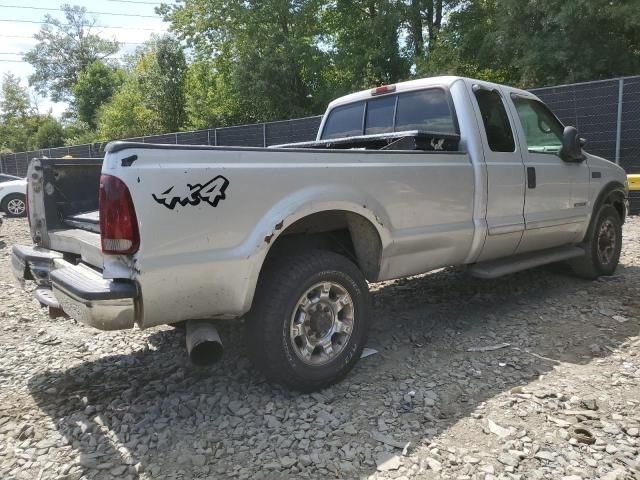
column 80, row 291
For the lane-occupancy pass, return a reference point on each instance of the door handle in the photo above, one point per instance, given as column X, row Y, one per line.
column 531, row 177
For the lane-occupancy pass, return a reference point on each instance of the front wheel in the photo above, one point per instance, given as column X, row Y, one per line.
column 309, row 320
column 14, row 205
column 602, row 248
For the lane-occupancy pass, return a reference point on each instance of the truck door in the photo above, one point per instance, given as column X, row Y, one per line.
column 505, row 172
column 551, row 216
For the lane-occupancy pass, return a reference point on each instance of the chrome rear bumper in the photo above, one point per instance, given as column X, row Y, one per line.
column 80, row 291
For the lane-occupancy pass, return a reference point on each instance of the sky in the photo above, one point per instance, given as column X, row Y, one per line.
column 135, row 20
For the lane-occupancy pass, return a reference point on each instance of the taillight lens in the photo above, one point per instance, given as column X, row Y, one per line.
column 118, row 223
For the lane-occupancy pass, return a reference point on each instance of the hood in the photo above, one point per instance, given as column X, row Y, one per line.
column 13, row 183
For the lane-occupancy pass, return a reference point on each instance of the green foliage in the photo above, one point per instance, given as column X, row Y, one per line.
column 14, row 103
column 203, row 100
column 535, row 43
column 50, row 134
column 266, row 55
column 160, row 71
column 275, row 59
column 364, row 35
column 553, row 41
column 64, row 49
column 17, row 122
column 96, row 84
column 126, row 115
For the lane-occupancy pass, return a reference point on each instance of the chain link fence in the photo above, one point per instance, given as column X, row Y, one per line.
column 606, row 112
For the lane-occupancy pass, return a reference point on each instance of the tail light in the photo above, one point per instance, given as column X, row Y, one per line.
column 118, row 223
column 382, row 90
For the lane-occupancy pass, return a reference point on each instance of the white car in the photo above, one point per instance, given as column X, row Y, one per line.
column 13, row 195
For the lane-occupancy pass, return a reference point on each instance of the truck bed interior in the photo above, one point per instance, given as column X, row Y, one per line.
column 74, row 185
column 89, row 221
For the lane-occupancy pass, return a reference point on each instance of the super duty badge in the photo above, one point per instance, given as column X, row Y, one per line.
column 211, row 192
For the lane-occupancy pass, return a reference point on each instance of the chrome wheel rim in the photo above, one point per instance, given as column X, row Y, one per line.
column 322, row 323
column 607, row 238
column 16, row 206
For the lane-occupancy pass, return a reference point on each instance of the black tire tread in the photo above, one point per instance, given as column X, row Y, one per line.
column 587, row 266
column 280, row 277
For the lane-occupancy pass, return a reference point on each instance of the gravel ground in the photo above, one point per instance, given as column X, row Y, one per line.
column 79, row 403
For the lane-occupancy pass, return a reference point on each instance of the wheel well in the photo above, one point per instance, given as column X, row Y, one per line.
column 4, row 199
column 616, row 200
column 343, row 232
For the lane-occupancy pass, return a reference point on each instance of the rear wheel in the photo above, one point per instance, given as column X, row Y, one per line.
column 309, row 321
column 602, row 248
column 14, row 205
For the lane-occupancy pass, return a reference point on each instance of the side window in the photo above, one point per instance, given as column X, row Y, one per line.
column 344, row 121
column 495, row 120
column 426, row 110
column 380, row 115
column 541, row 128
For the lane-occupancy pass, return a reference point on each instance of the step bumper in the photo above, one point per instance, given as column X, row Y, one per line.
column 80, row 291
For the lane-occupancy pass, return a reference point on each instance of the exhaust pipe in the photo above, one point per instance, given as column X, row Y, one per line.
column 203, row 342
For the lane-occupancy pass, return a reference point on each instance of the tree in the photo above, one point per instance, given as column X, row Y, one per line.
column 267, row 59
column 96, row 84
column 50, row 134
column 17, row 121
column 366, row 51
column 64, row 50
column 426, row 16
column 160, row 70
column 14, row 103
column 203, row 106
column 126, row 115
column 554, row 41
column 534, row 43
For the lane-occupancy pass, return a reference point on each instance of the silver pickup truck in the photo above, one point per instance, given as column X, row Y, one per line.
column 401, row 180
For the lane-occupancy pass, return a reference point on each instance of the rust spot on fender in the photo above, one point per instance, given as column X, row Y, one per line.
column 277, row 227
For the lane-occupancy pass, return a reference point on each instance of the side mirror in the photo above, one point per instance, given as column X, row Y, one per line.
column 571, row 150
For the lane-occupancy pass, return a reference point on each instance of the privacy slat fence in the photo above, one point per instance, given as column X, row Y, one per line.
column 606, row 112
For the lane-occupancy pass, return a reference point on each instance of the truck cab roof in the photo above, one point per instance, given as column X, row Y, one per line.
column 442, row 81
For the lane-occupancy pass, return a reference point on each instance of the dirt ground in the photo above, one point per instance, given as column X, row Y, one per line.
column 535, row 375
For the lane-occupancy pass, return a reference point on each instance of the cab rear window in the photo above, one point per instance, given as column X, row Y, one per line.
column 425, row 110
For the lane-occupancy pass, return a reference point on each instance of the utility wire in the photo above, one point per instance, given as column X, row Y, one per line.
column 135, row 1
column 31, row 38
column 68, row 25
column 93, row 13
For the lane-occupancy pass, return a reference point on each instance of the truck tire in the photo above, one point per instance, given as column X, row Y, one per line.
column 602, row 248
column 309, row 321
column 14, row 205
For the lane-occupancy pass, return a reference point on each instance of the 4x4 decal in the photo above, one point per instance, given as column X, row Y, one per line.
column 211, row 192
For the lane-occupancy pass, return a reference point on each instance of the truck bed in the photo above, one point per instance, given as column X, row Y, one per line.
column 89, row 221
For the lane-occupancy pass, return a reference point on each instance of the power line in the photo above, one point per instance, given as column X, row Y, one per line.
column 93, row 13
column 12, row 61
column 135, row 1
column 31, row 38
column 69, row 25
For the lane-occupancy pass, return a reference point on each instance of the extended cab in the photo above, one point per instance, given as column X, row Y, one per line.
column 401, row 180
